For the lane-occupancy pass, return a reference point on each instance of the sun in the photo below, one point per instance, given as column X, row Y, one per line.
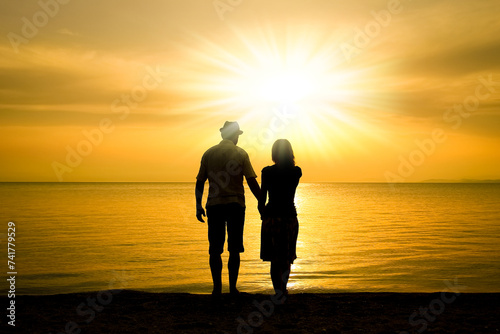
column 293, row 85
column 285, row 86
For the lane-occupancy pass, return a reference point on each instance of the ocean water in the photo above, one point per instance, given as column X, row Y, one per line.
column 73, row 237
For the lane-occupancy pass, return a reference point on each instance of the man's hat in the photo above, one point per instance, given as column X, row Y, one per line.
column 231, row 128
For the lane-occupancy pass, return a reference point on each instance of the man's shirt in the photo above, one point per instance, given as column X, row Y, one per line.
column 224, row 165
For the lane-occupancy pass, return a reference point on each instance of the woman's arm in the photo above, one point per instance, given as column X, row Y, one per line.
column 263, row 196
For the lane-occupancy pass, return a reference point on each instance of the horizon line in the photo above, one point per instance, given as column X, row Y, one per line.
column 339, row 182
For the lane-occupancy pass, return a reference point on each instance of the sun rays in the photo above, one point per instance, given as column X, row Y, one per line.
column 296, row 86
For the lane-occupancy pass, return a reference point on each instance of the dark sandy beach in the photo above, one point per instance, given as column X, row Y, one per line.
column 138, row 312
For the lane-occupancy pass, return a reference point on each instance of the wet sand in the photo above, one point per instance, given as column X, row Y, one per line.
column 139, row 312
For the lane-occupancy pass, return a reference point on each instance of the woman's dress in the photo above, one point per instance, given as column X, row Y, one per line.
column 280, row 226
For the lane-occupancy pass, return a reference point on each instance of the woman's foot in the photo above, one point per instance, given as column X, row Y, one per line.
column 280, row 297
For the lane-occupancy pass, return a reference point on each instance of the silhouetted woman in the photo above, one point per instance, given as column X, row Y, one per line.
column 280, row 226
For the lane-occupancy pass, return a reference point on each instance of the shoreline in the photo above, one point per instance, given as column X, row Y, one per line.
column 130, row 311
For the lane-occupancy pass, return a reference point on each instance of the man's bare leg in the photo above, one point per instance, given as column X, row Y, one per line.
column 233, row 266
column 216, row 268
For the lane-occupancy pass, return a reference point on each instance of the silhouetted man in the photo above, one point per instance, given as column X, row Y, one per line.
column 224, row 165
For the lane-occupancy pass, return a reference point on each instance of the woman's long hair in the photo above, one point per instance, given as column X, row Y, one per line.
column 282, row 153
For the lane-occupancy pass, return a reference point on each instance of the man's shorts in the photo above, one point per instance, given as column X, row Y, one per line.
column 219, row 216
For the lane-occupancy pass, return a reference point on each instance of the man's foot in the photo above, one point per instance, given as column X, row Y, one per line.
column 234, row 292
column 216, row 296
column 217, row 291
column 216, row 299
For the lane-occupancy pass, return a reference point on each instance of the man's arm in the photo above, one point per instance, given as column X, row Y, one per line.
column 199, row 195
column 254, row 186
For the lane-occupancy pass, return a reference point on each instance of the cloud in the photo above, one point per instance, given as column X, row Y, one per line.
column 66, row 31
column 428, row 58
column 455, row 62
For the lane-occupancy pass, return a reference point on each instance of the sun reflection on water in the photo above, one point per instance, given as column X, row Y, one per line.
column 352, row 237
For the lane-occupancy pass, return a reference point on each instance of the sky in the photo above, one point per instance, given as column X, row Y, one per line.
column 366, row 91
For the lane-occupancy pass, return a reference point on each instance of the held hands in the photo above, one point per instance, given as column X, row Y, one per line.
column 200, row 212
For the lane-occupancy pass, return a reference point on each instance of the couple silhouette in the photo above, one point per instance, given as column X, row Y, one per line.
column 224, row 166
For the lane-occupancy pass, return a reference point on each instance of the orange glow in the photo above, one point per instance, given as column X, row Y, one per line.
column 168, row 82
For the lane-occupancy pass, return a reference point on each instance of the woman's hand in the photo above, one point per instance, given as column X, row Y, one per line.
column 262, row 211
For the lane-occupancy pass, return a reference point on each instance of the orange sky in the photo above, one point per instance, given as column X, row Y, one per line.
column 365, row 90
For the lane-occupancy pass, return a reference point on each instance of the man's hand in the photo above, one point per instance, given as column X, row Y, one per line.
column 200, row 212
column 199, row 194
column 254, row 187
